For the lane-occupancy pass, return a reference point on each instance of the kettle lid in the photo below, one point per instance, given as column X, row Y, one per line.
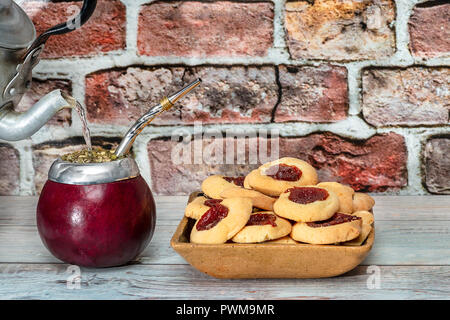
column 16, row 29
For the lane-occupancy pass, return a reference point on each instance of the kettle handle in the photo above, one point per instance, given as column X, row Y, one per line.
column 85, row 13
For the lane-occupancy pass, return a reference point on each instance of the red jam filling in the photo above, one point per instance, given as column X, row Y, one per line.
column 212, row 202
column 338, row 218
column 212, row 217
column 261, row 219
column 284, row 172
column 305, row 195
column 239, row 181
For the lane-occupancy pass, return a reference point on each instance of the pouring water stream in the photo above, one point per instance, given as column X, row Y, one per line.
column 86, row 132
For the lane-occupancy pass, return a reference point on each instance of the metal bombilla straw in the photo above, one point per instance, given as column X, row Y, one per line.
column 165, row 104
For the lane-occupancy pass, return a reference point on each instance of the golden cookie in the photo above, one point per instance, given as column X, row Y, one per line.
column 222, row 221
column 283, row 240
column 344, row 193
column 366, row 216
column 273, row 178
column 197, row 207
column 362, row 202
column 259, row 199
column 246, row 184
column 339, row 228
column 263, row 226
column 365, row 230
column 214, row 185
column 306, row 204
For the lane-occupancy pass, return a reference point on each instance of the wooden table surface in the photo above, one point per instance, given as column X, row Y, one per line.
column 410, row 258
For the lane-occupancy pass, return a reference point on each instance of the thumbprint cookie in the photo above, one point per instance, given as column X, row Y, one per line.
column 259, row 200
column 246, row 184
column 365, row 231
column 306, row 204
column 366, row 216
column 273, row 178
column 214, row 185
column 197, row 207
column 222, row 221
column 340, row 227
column 284, row 240
column 344, row 193
column 367, row 222
column 263, row 226
column 362, row 202
column 222, row 187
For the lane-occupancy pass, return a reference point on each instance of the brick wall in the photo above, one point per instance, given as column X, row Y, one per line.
column 361, row 89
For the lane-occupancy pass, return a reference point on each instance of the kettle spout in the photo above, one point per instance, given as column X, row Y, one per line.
column 16, row 126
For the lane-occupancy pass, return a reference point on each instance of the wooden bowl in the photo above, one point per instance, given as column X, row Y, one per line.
column 267, row 260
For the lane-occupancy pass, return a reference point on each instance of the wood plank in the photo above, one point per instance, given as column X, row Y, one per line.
column 396, row 243
column 18, row 210
column 22, row 244
column 408, row 208
column 22, row 210
column 403, row 243
column 182, row 282
column 170, row 209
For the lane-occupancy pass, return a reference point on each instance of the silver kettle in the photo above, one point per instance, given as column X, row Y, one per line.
column 19, row 54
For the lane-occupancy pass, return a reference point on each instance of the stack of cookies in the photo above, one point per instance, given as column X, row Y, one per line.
column 282, row 201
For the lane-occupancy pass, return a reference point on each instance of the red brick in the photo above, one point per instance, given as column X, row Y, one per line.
column 46, row 153
column 169, row 178
column 429, row 29
column 104, row 32
column 340, row 30
column 9, row 170
column 227, row 94
column 39, row 88
column 411, row 96
column 315, row 94
column 376, row 164
column 436, row 165
column 199, row 29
